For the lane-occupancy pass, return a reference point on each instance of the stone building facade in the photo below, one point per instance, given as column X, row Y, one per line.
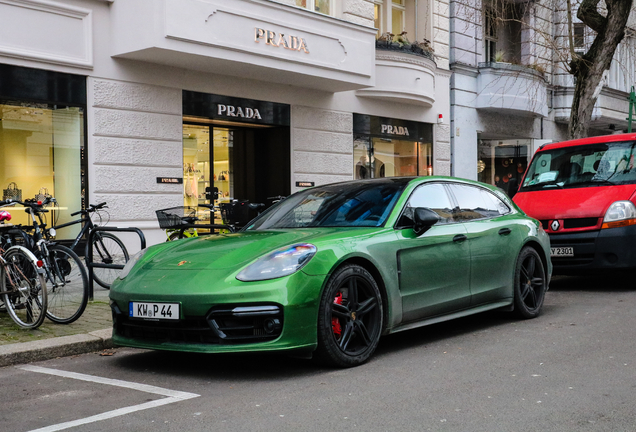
column 510, row 91
column 144, row 104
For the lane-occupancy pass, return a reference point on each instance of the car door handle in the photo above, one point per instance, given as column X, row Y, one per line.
column 505, row 231
column 459, row 238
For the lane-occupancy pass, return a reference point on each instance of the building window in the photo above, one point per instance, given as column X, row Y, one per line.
column 579, row 37
column 503, row 21
column 490, row 35
column 390, row 16
column 322, row 6
column 502, row 163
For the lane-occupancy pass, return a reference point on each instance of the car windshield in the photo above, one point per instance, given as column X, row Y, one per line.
column 599, row 164
column 352, row 204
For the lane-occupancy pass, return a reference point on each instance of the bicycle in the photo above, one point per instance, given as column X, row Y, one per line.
column 64, row 273
column 107, row 247
column 22, row 285
column 180, row 222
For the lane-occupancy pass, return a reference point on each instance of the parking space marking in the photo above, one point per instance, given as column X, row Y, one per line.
column 171, row 396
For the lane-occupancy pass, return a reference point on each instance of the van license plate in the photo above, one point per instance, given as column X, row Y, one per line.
column 562, row 252
column 165, row 311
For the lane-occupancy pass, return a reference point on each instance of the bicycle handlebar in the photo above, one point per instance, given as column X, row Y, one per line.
column 92, row 208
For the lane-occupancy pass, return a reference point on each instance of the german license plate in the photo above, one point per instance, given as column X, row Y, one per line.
column 164, row 311
column 562, row 252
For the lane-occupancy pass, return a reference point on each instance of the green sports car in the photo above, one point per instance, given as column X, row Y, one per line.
column 328, row 270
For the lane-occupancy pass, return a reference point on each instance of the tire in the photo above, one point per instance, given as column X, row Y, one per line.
column 530, row 284
column 349, row 318
column 27, row 306
column 174, row 236
column 107, row 249
column 67, row 285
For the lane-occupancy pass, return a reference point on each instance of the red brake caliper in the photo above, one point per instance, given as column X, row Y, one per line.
column 335, row 324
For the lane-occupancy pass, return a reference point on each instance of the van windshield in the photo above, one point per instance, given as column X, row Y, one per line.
column 582, row 166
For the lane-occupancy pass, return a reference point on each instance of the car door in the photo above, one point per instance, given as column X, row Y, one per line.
column 494, row 238
column 434, row 268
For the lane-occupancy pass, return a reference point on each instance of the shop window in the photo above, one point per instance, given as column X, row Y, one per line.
column 42, row 148
column 322, row 6
column 503, row 162
column 383, row 157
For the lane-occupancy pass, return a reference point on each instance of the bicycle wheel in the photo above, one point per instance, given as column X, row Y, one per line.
column 26, row 302
column 67, row 285
column 107, row 249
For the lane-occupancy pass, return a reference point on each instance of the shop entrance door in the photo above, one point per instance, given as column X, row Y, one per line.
column 241, row 162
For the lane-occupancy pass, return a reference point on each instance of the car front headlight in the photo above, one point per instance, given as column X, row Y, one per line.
column 619, row 214
column 279, row 263
column 131, row 263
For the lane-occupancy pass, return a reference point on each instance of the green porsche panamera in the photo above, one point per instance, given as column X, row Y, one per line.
column 330, row 269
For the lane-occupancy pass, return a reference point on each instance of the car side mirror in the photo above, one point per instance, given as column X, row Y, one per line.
column 424, row 218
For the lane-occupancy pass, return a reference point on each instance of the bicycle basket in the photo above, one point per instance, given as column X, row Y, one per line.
column 173, row 217
column 235, row 212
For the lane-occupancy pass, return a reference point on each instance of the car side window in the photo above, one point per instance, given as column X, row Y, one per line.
column 476, row 203
column 432, row 196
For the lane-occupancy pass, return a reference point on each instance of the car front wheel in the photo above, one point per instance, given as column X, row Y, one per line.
column 530, row 283
column 350, row 318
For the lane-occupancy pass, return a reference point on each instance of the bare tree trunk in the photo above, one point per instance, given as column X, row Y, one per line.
column 588, row 70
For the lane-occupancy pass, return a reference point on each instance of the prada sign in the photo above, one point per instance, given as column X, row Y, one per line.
column 392, row 128
column 293, row 43
column 235, row 109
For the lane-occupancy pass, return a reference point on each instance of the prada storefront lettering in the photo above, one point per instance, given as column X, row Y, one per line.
column 272, row 38
column 235, row 109
column 392, row 128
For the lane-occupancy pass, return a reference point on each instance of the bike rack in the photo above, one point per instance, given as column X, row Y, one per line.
column 90, row 264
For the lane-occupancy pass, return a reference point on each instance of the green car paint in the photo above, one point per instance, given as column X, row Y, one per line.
column 423, row 279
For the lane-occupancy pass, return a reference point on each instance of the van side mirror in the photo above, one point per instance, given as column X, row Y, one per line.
column 424, row 218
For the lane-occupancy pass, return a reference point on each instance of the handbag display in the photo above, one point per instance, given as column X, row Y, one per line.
column 43, row 194
column 12, row 192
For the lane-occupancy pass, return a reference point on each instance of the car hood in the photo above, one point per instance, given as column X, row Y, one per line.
column 231, row 251
column 572, row 203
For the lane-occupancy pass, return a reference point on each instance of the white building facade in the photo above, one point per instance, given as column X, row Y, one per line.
column 144, row 104
column 510, row 92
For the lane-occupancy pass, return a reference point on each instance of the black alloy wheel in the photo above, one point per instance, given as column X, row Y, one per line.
column 350, row 318
column 530, row 283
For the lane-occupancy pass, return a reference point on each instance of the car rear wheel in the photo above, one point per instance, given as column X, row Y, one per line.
column 350, row 317
column 530, row 283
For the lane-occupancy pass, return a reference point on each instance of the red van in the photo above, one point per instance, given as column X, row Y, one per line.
column 583, row 192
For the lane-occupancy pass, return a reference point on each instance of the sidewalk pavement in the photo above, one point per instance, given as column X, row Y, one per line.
column 91, row 332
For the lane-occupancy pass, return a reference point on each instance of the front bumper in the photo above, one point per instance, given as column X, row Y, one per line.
column 607, row 249
column 275, row 315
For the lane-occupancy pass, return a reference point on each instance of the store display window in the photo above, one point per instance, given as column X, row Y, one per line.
column 503, row 162
column 42, row 148
column 391, row 148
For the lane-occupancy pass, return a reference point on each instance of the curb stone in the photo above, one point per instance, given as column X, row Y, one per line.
column 27, row 352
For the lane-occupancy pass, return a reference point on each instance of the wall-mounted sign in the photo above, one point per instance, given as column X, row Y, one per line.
column 235, row 109
column 272, row 38
column 305, row 184
column 173, row 180
column 392, row 128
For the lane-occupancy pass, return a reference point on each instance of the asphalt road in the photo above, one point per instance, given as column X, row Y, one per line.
column 571, row 369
